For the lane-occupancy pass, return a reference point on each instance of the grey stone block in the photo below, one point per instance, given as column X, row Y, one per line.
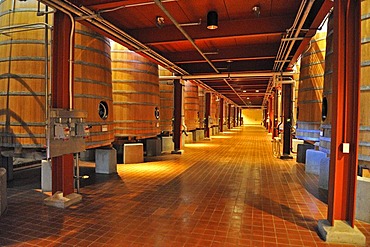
column 301, row 155
column 133, row 153
column 313, row 159
column 88, row 155
column 153, row 147
column 46, row 181
column 167, row 144
column 189, row 137
column 106, row 161
column 363, row 199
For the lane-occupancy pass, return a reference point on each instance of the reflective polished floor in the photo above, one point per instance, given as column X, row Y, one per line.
column 229, row 191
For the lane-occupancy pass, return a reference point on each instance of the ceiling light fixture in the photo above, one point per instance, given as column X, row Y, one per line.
column 257, row 91
column 256, row 10
column 212, row 20
column 159, row 21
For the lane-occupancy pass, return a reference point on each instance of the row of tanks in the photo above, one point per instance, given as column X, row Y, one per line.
column 119, row 89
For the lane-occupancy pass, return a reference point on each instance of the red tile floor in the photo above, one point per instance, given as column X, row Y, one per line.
column 229, row 191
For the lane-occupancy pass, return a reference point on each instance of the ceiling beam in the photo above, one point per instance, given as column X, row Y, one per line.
column 227, row 29
column 250, row 52
column 238, row 66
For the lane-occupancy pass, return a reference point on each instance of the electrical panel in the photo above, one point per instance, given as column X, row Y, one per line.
column 67, row 132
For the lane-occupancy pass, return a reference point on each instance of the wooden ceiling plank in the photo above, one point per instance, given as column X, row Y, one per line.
column 227, row 29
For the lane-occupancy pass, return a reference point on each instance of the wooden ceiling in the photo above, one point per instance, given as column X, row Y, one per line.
column 245, row 41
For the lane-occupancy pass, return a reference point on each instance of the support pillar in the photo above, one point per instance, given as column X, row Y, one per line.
column 271, row 114
column 265, row 118
column 339, row 226
column 234, row 115
column 62, row 167
column 237, row 116
column 177, row 123
column 229, row 117
column 221, row 123
column 287, row 120
column 275, row 131
column 241, row 116
column 207, row 114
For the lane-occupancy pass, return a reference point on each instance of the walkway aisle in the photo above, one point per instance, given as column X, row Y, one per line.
column 226, row 192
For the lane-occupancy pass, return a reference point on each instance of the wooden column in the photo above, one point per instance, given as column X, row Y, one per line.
column 62, row 167
column 177, row 114
column 241, row 116
column 229, row 117
column 271, row 114
column 234, row 116
column 221, row 123
column 275, row 130
column 345, row 118
column 237, row 116
column 207, row 115
column 287, row 119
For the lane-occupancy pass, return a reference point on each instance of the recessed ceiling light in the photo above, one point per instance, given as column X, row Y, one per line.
column 257, row 91
column 247, row 97
column 244, row 91
column 212, row 20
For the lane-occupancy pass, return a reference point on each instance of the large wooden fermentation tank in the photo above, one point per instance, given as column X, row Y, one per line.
column 191, row 105
column 327, row 94
column 93, row 85
column 135, row 94
column 23, row 83
column 364, row 138
column 311, row 89
column 166, row 95
column 22, row 77
column 364, row 133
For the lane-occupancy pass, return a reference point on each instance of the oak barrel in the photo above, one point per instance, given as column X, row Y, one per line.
column 191, row 105
column 310, row 89
column 22, row 79
column 135, row 94
column 93, row 85
column 327, row 93
column 166, row 95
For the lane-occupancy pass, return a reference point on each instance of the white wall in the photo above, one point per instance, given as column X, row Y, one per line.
column 252, row 116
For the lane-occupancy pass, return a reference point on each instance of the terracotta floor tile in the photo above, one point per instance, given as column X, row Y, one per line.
column 223, row 192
